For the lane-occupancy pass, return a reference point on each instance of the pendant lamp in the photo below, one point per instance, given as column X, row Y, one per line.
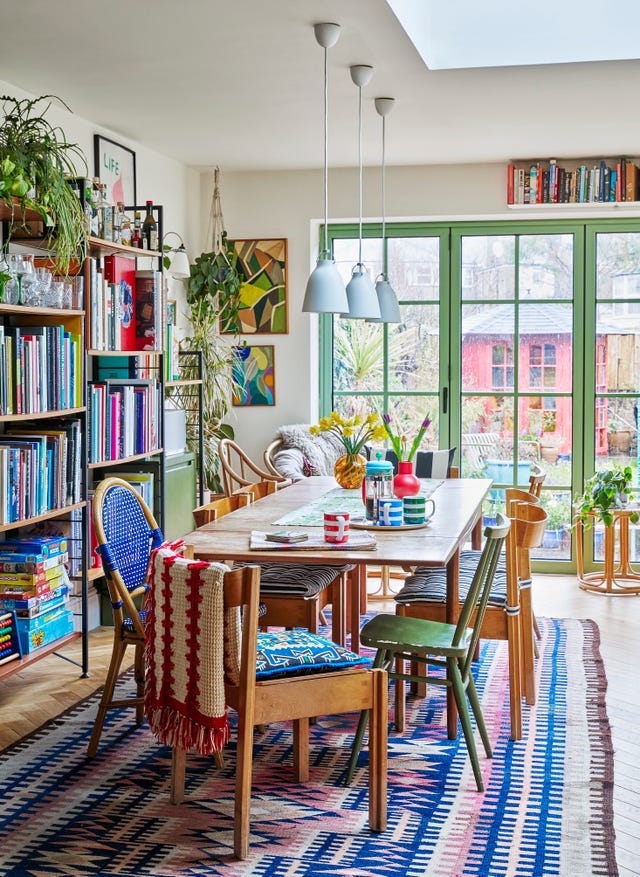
column 325, row 292
column 363, row 301
column 387, row 299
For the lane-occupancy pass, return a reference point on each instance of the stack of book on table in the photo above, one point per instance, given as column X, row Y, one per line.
column 34, row 584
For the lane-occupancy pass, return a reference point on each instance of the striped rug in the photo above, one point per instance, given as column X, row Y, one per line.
column 547, row 808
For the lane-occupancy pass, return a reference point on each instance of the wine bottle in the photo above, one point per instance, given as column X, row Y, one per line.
column 150, row 229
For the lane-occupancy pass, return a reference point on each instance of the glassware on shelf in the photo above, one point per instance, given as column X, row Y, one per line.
column 55, row 295
column 20, row 266
column 67, row 294
column 77, row 297
column 41, row 287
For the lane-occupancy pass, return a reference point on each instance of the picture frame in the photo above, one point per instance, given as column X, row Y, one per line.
column 254, row 375
column 116, row 166
column 262, row 265
column 171, row 312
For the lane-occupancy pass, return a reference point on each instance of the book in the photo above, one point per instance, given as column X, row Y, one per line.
column 287, row 536
column 120, row 271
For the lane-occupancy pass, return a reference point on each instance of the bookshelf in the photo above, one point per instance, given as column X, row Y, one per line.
column 610, row 182
column 47, row 407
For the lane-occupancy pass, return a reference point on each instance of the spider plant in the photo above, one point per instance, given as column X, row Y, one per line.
column 36, row 160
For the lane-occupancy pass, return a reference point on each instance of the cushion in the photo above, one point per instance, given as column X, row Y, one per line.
column 297, row 579
column 316, row 452
column 429, row 585
column 290, row 653
column 427, row 464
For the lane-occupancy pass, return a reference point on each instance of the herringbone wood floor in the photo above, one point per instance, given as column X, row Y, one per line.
column 50, row 686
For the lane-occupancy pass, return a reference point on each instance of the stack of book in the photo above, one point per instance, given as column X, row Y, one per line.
column 34, row 584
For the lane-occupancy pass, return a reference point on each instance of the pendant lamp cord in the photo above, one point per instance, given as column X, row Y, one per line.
column 383, row 193
column 326, row 152
column 360, row 169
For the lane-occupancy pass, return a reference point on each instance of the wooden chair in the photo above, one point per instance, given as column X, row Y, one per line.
column 219, row 506
column 342, row 682
column 236, row 466
column 293, row 595
column 258, row 490
column 536, row 480
column 424, row 596
column 126, row 532
column 400, row 638
column 269, row 454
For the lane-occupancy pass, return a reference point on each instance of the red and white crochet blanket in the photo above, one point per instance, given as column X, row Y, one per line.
column 184, row 685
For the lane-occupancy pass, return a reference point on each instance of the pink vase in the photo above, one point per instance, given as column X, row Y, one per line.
column 405, row 482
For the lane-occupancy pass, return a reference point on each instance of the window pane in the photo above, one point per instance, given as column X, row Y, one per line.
column 414, row 350
column 345, row 254
column 488, row 267
column 408, row 413
column 349, row 406
column 618, row 341
column 556, row 543
column 358, row 362
column 617, row 262
column 545, row 426
column 617, row 432
column 484, row 327
column 546, row 331
column 414, row 268
column 546, row 266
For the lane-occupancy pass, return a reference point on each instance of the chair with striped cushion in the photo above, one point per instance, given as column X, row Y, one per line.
column 424, row 596
column 293, row 594
column 266, row 678
column 126, row 532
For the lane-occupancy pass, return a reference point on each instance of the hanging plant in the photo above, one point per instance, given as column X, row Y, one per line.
column 36, row 161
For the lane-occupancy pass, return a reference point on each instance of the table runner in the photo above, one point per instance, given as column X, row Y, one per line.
column 339, row 500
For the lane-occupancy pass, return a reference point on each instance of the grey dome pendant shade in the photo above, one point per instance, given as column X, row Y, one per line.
column 387, row 299
column 325, row 292
column 361, row 294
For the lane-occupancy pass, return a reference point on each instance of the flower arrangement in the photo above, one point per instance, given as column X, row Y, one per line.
column 400, row 443
column 353, row 432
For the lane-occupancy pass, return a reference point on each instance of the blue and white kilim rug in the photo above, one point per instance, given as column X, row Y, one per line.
column 547, row 808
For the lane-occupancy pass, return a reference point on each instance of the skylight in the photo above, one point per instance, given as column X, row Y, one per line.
column 498, row 33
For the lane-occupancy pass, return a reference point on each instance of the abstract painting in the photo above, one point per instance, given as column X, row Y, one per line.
column 254, row 381
column 262, row 265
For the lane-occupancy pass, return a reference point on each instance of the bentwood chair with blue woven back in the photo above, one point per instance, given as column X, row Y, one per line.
column 399, row 639
column 264, row 677
column 126, row 532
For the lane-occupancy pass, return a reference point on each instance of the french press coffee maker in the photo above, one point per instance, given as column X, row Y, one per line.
column 377, row 485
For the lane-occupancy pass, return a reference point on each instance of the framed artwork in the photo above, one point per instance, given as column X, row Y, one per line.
column 254, row 380
column 262, row 265
column 116, row 166
column 171, row 312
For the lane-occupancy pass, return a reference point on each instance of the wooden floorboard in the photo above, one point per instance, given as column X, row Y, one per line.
column 52, row 685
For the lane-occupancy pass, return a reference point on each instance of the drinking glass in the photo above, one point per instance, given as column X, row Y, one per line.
column 18, row 267
column 41, row 287
column 55, row 294
column 67, row 294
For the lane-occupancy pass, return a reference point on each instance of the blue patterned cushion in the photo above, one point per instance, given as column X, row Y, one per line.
column 429, row 584
column 300, row 653
column 128, row 623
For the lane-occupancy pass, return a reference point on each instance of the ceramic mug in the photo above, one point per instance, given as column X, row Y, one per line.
column 390, row 512
column 336, row 526
column 414, row 509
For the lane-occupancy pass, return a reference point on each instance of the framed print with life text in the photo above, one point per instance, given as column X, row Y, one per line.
column 116, row 166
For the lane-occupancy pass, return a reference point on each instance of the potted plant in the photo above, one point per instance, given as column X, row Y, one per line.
column 605, row 491
column 36, row 161
column 618, row 437
column 213, row 296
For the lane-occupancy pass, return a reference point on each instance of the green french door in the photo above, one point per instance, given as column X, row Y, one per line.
column 520, row 340
column 514, row 324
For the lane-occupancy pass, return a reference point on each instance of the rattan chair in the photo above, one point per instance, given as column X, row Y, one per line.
column 239, row 470
column 126, row 532
column 332, row 681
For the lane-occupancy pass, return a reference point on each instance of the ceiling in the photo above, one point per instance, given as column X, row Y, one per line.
column 239, row 84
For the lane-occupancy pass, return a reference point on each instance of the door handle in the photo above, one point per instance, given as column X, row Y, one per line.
column 445, row 399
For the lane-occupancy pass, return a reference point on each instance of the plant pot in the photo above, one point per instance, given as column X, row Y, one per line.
column 349, row 471
column 405, row 482
column 549, row 453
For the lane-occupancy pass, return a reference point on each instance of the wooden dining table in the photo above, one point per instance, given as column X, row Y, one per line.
column 458, row 510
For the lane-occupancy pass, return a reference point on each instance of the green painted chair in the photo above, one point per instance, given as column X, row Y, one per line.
column 399, row 639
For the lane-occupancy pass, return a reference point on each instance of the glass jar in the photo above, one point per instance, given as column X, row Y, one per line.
column 377, row 485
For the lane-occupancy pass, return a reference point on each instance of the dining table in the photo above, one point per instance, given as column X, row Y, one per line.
column 458, row 512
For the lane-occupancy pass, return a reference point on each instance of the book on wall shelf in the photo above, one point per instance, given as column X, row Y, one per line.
column 573, row 181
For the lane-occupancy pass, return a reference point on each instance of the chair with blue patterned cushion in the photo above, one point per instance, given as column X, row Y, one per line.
column 424, row 596
column 126, row 532
column 266, row 678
